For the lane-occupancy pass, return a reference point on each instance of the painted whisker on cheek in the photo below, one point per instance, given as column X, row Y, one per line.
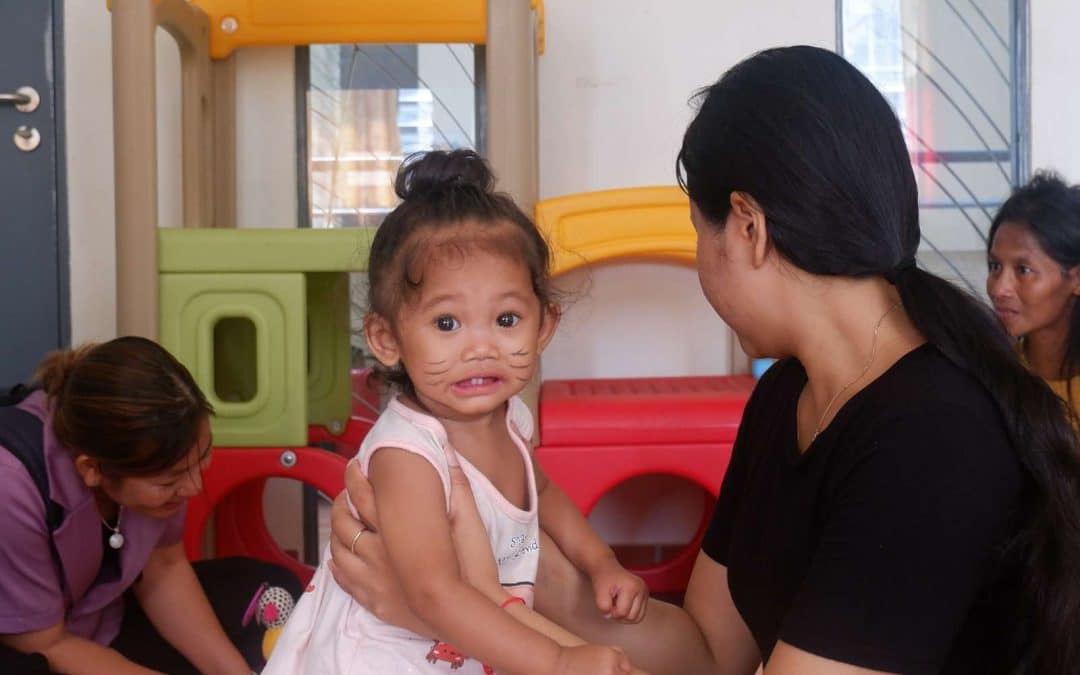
column 434, row 381
column 523, row 361
column 432, row 367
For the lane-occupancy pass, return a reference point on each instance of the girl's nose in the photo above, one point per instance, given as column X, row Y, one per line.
column 481, row 346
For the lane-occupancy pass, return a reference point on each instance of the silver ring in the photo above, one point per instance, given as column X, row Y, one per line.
column 352, row 546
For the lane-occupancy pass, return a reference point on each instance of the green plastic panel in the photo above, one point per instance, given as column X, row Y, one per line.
column 263, row 250
column 261, row 312
column 329, row 356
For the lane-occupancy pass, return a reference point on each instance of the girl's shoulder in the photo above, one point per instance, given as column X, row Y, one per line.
column 520, row 419
column 406, row 429
column 401, row 426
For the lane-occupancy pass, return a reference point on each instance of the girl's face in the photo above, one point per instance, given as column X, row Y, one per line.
column 1029, row 290
column 161, row 495
column 471, row 338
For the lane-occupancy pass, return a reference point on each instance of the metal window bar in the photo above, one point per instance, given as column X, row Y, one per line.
column 1016, row 153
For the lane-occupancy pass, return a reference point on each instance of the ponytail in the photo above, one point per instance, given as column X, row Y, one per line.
column 1047, row 547
column 55, row 369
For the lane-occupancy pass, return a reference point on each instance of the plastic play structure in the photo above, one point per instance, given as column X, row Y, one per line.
column 596, row 434
column 261, row 316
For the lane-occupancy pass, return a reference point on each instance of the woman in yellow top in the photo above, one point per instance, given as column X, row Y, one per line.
column 1034, row 279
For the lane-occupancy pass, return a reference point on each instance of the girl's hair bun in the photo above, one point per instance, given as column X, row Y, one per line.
column 427, row 172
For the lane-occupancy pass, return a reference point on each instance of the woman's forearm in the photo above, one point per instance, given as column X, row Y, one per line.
column 67, row 653
column 77, row 656
column 545, row 626
column 667, row 641
column 176, row 604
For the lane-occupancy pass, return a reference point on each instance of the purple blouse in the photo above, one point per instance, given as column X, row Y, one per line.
column 35, row 592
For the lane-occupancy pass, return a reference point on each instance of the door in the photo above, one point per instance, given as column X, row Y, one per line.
column 33, row 259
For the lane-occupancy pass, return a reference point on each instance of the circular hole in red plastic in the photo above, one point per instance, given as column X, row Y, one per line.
column 650, row 521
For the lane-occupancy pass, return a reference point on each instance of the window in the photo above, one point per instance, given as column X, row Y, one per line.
column 955, row 72
column 367, row 107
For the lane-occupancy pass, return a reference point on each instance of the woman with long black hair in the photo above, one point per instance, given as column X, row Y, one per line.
column 904, row 495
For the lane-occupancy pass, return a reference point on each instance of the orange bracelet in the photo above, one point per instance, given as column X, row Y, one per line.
column 511, row 600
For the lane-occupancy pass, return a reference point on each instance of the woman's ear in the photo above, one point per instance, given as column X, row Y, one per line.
column 381, row 340
column 548, row 323
column 88, row 470
column 749, row 217
column 1073, row 275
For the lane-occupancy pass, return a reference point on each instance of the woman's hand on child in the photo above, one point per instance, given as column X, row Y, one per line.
column 592, row 660
column 620, row 594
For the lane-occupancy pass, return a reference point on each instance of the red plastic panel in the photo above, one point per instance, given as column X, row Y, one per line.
column 586, row 473
column 236, row 476
column 643, row 411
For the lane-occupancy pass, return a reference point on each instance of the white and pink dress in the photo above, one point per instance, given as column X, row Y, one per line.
column 329, row 632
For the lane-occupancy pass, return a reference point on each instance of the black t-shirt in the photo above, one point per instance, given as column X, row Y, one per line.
column 882, row 544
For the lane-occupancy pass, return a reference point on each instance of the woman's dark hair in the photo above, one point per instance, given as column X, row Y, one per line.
column 449, row 205
column 1050, row 209
column 810, row 139
column 126, row 403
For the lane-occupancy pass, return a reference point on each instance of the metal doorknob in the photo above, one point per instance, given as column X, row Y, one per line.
column 26, row 99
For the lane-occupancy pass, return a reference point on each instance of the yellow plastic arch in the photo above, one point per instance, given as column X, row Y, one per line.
column 249, row 23
column 647, row 223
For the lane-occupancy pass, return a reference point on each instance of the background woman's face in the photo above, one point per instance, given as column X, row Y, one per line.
column 1029, row 290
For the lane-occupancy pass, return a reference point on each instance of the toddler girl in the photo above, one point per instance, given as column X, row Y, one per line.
column 461, row 308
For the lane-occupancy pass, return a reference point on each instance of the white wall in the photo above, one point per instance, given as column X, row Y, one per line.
column 1055, row 97
column 616, row 77
column 91, row 228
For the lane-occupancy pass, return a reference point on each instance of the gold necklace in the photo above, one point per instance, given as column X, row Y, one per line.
column 865, row 370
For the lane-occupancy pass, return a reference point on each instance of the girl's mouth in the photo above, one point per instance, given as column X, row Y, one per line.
column 477, row 386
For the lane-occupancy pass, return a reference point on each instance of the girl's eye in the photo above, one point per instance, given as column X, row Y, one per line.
column 994, row 266
column 447, row 323
column 1024, row 270
column 508, row 320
